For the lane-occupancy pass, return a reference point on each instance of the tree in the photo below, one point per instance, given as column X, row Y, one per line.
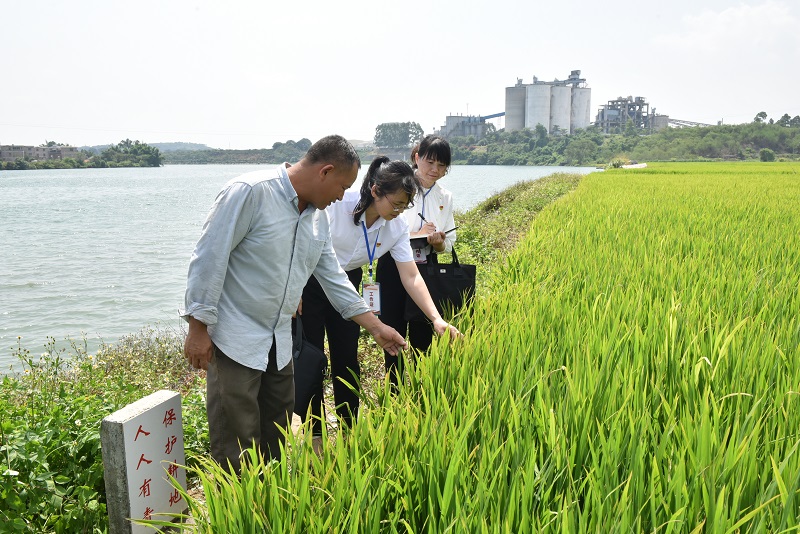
column 766, row 155
column 541, row 134
column 131, row 154
column 580, row 151
column 630, row 129
column 784, row 121
column 761, row 116
column 795, row 122
column 398, row 134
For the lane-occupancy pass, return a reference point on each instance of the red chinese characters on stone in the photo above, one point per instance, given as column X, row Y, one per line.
column 175, row 497
column 170, row 443
column 143, row 459
column 144, row 489
column 148, row 513
column 173, row 470
column 140, row 431
column 169, row 417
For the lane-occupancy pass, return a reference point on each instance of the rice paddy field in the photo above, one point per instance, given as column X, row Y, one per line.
column 633, row 366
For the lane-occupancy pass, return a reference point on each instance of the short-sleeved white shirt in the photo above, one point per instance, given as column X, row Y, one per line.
column 348, row 238
column 436, row 205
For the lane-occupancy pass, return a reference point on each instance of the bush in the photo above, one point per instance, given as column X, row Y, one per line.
column 50, row 416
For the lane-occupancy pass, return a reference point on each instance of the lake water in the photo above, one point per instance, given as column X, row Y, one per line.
column 101, row 253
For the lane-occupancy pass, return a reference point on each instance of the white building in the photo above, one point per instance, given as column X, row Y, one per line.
column 15, row 152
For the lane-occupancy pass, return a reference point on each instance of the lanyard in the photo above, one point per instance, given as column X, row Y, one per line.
column 422, row 211
column 370, row 253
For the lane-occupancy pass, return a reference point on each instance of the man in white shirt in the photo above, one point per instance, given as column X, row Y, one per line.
column 266, row 234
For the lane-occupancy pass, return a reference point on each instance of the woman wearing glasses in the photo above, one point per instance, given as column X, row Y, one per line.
column 430, row 218
column 365, row 225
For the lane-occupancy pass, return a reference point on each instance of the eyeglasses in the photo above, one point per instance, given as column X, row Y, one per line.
column 397, row 209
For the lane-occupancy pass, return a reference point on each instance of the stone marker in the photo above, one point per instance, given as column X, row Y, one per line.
column 141, row 444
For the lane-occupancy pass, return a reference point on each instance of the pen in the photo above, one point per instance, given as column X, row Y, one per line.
column 424, row 220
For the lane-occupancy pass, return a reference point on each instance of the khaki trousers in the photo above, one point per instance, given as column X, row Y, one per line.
column 247, row 406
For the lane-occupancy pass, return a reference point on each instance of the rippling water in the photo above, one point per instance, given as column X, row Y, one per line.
column 100, row 253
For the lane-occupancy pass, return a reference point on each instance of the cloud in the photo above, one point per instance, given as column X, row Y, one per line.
column 740, row 31
column 728, row 63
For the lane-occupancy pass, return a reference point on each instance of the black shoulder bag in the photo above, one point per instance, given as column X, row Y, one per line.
column 310, row 366
column 451, row 285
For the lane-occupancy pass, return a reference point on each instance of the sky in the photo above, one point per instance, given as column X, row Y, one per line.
column 246, row 74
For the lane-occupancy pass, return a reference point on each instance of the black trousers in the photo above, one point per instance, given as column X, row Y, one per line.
column 393, row 305
column 320, row 318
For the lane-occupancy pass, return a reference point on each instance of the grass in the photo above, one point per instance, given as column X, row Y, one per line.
column 487, row 234
column 50, row 413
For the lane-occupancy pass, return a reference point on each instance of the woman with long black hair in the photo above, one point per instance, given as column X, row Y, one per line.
column 365, row 225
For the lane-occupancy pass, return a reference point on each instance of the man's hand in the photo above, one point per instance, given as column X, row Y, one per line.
column 386, row 336
column 198, row 347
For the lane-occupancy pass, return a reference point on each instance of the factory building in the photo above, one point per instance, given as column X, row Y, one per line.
column 15, row 152
column 465, row 126
column 615, row 116
column 561, row 106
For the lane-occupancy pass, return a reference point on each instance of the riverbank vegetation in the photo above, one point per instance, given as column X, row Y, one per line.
column 125, row 154
column 759, row 140
column 51, row 469
column 634, row 365
column 754, row 141
column 51, row 405
column 289, row 151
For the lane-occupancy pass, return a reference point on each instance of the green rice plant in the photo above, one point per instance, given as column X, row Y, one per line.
column 634, row 365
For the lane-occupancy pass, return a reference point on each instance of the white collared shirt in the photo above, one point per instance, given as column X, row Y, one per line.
column 436, row 205
column 348, row 238
column 251, row 263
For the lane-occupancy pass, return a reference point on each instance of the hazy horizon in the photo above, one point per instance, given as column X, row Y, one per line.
column 247, row 74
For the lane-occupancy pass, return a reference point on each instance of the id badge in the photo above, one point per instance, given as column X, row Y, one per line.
column 419, row 257
column 372, row 296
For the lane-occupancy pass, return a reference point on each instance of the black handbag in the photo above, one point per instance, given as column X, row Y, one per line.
column 310, row 367
column 451, row 286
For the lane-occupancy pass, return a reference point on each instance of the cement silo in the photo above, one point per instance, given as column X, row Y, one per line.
column 515, row 107
column 537, row 106
column 560, row 105
column 580, row 117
